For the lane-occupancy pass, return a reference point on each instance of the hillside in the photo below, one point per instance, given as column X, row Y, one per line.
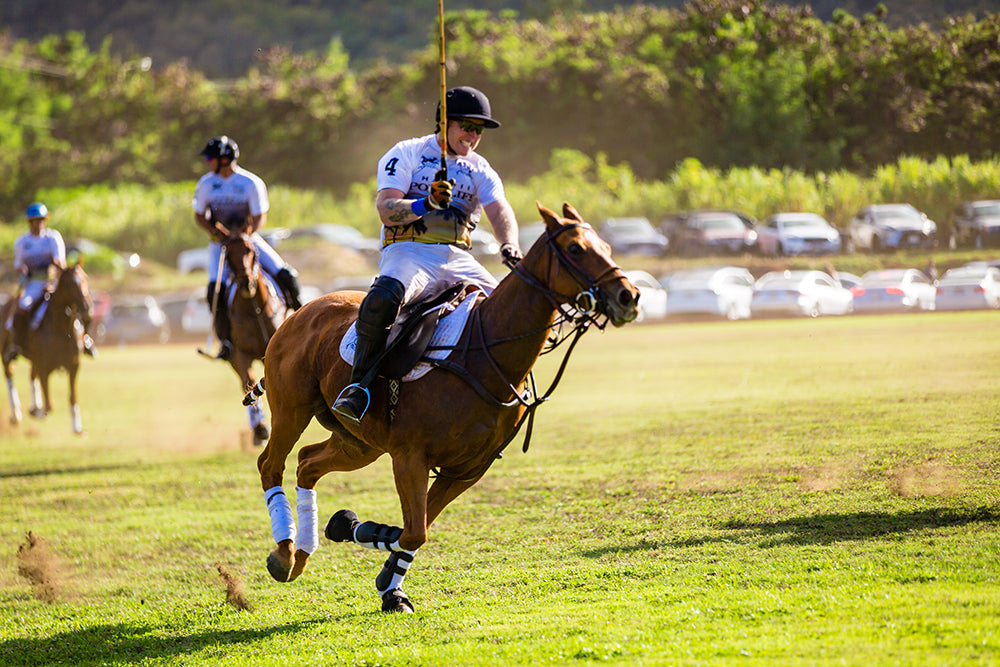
column 221, row 38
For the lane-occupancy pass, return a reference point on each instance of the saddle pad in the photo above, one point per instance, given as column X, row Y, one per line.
column 449, row 330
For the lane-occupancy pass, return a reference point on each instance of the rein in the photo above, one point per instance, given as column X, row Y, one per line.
column 586, row 312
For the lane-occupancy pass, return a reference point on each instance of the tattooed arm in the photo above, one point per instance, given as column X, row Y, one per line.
column 393, row 209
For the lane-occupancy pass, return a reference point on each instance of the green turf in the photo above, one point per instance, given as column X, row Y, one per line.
column 794, row 492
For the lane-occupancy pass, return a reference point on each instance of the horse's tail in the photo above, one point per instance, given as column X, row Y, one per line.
column 255, row 393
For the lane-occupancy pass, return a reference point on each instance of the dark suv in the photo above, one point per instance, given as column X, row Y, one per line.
column 976, row 224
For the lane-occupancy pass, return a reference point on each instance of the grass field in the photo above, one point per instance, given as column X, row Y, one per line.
column 794, row 492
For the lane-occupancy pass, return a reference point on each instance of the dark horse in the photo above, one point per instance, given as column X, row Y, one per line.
column 57, row 343
column 252, row 312
column 455, row 421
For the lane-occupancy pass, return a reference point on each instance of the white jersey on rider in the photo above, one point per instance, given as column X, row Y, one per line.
column 36, row 253
column 410, row 166
column 241, row 195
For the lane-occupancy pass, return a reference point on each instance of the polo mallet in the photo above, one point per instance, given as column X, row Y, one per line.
column 215, row 302
column 442, row 174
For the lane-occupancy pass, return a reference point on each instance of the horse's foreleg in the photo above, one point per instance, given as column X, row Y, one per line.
column 74, row 407
column 37, row 402
column 12, row 395
column 288, row 426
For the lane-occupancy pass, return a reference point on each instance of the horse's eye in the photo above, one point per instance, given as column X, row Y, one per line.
column 575, row 248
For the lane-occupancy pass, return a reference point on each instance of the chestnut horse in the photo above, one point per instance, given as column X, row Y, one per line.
column 252, row 312
column 57, row 343
column 454, row 421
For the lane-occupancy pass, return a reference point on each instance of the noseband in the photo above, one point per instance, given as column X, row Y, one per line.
column 590, row 301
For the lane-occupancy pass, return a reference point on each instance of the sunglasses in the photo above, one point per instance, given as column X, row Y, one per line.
column 469, row 126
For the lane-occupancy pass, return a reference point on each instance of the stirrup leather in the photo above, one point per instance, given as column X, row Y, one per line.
column 352, row 417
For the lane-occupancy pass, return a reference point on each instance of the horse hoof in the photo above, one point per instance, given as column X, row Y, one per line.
column 260, row 434
column 278, row 570
column 299, row 564
column 340, row 527
column 37, row 413
column 396, row 600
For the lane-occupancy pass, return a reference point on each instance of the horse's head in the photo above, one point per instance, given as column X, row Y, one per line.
column 241, row 258
column 576, row 267
column 72, row 292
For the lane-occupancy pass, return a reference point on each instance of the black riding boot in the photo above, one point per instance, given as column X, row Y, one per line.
column 288, row 281
column 18, row 335
column 378, row 312
column 220, row 321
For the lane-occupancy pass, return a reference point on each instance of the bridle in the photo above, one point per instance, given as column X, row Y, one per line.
column 586, row 308
column 254, row 273
column 590, row 302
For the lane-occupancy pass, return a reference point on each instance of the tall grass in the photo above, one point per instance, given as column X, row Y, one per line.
column 796, row 492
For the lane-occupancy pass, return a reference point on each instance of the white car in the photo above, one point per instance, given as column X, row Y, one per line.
column 968, row 288
column 722, row 291
column 652, row 296
column 894, row 290
column 883, row 226
column 808, row 293
column 797, row 234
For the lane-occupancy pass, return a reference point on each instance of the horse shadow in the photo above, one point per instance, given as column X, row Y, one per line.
column 117, row 642
column 825, row 529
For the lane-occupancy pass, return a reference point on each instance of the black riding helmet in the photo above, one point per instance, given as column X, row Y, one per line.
column 467, row 102
column 221, row 147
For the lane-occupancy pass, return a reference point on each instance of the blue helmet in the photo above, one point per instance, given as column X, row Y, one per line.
column 36, row 210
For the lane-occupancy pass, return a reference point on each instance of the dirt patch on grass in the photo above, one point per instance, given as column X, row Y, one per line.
column 823, row 478
column 235, row 590
column 926, row 479
column 42, row 568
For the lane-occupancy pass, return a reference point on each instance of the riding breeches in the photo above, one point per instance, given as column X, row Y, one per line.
column 427, row 268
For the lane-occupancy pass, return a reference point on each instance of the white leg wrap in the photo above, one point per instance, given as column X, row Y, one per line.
column 74, row 412
column 282, row 523
column 15, row 402
column 305, row 502
column 255, row 413
column 36, row 395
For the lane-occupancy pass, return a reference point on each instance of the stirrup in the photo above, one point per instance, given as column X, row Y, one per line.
column 342, row 406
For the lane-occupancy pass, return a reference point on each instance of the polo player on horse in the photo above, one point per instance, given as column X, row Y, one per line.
column 35, row 252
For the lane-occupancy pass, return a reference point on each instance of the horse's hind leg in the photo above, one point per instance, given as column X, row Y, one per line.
column 38, row 402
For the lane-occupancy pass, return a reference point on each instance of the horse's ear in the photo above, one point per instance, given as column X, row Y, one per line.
column 571, row 213
column 549, row 216
column 79, row 261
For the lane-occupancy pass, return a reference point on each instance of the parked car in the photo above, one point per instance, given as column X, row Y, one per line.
column 976, row 224
column 705, row 232
column 133, row 319
column 722, row 291
column 848, row 280
column 634, row 236
column 196, row 259
column 968, row 288
column 528, row 234
column 808, row 293
column 797, row 234
column 652, row 296
column 882, row 226
column 894, row 290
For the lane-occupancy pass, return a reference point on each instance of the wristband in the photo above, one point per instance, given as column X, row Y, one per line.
column 419, row 207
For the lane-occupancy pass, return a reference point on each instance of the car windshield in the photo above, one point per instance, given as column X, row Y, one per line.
column 788, row 223
column 896, row 213
column 986, row 210
column 964, row 274
column 883, row 277
column 629, row 225
column 727, row 222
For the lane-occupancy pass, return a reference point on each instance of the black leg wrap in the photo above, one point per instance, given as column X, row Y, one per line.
column 396, row 600
column 340, row 527
column 391, row 567
column 379, row 535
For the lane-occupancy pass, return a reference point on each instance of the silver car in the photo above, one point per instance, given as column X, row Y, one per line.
column 969, row 288
column 894, row 290
column 722, row 291
column 883, row 226
column 807, row 293
column 797, row 234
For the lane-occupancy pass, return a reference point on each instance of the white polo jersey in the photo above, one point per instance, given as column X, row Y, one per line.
column 240, row 195
column 38, row 252
column 410, row 166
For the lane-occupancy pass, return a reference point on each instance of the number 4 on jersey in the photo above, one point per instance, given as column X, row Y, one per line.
column 390, row 166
